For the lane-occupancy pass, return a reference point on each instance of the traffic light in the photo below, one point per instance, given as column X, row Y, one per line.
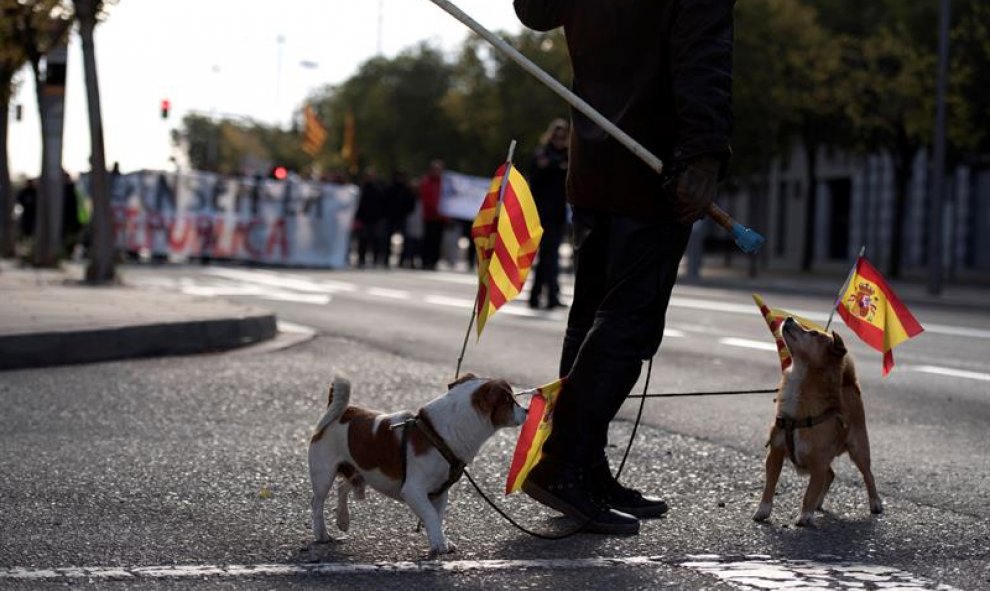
column 166, row 105
column 279, row 173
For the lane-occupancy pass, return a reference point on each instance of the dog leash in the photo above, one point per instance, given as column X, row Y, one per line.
column 632, row 437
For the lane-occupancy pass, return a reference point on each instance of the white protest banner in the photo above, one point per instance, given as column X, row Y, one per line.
column 461, row 195
column 199, row 214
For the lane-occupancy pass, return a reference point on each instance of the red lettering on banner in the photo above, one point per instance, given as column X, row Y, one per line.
column 277, row 237
column 241, row 238
column 131, row 232
column 218, row 246
column 177, row 242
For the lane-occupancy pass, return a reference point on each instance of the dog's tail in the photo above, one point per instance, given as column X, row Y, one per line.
column 337, row 401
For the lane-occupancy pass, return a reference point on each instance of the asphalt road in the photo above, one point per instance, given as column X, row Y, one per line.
column 190, row 472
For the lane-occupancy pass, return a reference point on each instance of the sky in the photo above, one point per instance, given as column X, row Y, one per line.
column 225, row 57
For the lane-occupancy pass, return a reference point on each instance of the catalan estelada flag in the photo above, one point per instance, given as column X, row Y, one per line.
column 775, row 319
column 873, row 311
column 534, row 432
column 314, row 134
column 506, row 235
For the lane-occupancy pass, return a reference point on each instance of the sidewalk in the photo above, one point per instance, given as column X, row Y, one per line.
column 48, row 317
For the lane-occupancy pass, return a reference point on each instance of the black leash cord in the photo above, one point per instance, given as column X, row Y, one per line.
column 632, row 437
column 505, row 516
column 639, row 417
column 714, row 393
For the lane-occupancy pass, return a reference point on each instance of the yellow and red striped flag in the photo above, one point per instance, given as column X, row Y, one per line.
column 775, row 319
column 874, row 312
column 506, row 236
column 532, row 436
column 314, row 134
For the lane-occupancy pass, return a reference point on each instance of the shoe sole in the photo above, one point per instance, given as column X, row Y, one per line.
column 643, row 513
column 546, row 498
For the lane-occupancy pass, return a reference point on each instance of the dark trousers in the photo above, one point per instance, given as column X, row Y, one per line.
column 547, row 266
column 625, row 269
column 432, row 240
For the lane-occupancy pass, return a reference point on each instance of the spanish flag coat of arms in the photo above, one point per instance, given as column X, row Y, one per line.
column 872, row 310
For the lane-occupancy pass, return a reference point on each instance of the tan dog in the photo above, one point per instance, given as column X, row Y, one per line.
column 414, row 463
column 819, row 417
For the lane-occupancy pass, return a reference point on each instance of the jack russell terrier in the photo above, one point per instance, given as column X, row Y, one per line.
column 820, row 416
column 413, row 458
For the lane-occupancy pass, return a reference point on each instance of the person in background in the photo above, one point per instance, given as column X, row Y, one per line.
column 412, row 238
column 399, row 203
column 433, row 222
column 72, row 226
column 27, row 197
column 547, row 180
column 370, row 217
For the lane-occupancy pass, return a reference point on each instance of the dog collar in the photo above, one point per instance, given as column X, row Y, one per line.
column 424, row 426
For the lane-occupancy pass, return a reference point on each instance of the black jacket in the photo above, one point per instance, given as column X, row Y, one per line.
column 547, row 184
column 659, row 69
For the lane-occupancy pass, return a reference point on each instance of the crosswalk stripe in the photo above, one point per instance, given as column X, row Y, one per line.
column 752, row 572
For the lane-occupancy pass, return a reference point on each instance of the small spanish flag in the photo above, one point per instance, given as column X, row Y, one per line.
column 506, row 234
column 775, row 320
column 532, row 436
column 874, row 312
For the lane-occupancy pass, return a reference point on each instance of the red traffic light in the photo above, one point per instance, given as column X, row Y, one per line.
column 280, row 172
column 166, row 105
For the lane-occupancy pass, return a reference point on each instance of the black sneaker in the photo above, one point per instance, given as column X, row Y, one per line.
column 626, row 500
column 567, row 490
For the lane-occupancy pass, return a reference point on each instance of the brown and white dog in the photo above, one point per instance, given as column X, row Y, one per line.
column 820, row 416
column 366, row 447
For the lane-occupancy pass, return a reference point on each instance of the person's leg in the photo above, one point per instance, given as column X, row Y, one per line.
column 590, row 239
column 551, row 246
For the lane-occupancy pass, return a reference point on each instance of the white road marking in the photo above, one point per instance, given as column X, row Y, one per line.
column 441, row 300
column 752, row 572
column 673, row 332
column 256, row 291
column 948, row 371
column 292, row 327
column 748, row 344
column 283, row 280
column 381, row 292
column 751, row 309
column 324, row 568
column 756, row 572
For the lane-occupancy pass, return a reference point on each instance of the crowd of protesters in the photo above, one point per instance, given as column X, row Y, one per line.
column 399, row 222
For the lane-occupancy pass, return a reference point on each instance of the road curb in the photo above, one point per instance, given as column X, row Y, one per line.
column 128, row 342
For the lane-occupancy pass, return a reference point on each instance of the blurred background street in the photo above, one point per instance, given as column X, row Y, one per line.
column 209, row 209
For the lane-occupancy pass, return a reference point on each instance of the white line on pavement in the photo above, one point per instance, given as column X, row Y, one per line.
column 283, row 280
column 748, row 309
column 948, row 371
column 748, row 344
column 753, row 572
column 325, row 568
column 396, row 294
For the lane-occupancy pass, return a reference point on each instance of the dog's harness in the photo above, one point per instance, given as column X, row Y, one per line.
column 424, row 426
column 790, row 425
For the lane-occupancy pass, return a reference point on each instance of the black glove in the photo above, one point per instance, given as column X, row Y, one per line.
column 692, row 188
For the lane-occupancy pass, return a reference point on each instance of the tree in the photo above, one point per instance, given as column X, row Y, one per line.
column 895, row 95
column 38, row 26
column 12, row 59
column 100, row 268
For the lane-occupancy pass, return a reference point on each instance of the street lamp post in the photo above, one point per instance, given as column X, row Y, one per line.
column 935, row 255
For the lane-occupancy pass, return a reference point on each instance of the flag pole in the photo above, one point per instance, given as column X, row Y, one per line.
column 845, row 285
column 498, row 206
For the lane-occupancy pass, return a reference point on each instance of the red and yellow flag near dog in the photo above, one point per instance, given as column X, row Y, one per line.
column 874, row 312
column 532, row 436
column 506, row 234
column 775, row 320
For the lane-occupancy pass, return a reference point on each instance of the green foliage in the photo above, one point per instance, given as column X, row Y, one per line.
column 842, row 73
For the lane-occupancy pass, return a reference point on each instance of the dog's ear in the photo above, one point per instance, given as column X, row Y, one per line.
column 838, row 347
column 461, row 380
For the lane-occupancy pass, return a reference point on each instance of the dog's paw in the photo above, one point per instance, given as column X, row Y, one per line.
column 876, row 507
column 763, row 512
column 442, row 549
column 806, row 520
